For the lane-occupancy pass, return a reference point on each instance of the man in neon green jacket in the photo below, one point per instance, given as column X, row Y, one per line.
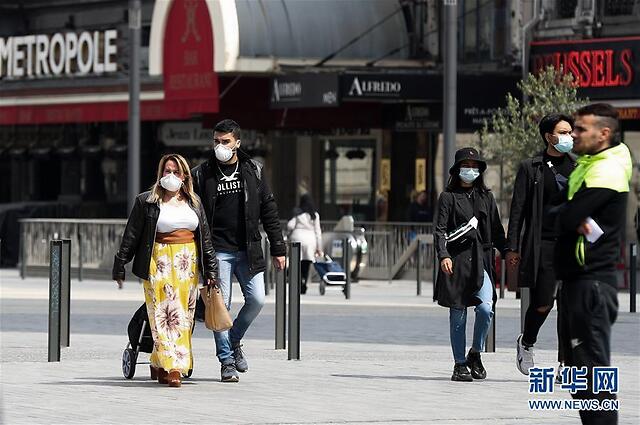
column 586, row 263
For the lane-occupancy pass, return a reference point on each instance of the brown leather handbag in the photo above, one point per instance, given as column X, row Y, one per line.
column 216, row 315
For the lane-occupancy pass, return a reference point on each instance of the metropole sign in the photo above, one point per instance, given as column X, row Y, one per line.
column 41, row 56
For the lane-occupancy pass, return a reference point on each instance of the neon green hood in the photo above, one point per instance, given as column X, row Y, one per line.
column 609, row 169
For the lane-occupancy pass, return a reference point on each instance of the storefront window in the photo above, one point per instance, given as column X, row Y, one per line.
column 484, row 30
column 349, row 178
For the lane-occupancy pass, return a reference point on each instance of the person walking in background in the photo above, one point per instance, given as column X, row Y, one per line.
column 540, row 186
column 419, row 210
column 304, row 227
column 467, row 229
column 592, row 226
column 237, row 198
column 167, row 237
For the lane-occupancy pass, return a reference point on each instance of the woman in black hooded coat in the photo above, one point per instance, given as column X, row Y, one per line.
column 468, row 228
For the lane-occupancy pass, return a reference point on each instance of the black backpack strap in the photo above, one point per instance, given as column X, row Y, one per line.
column 561, row 181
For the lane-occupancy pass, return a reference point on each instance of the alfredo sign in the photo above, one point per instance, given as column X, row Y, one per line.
column 88, row 52
column 387, row 87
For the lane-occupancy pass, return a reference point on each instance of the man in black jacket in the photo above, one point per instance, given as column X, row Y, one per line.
column 237, row 198
column 592, row 227
column 539, row 187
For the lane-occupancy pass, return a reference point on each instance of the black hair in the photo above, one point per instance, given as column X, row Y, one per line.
column 455, row 185
column 548, row 123
column 607, row 116
column 228, row 126
column 307, row 206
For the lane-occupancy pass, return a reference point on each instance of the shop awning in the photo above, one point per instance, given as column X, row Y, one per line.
column 60, row 113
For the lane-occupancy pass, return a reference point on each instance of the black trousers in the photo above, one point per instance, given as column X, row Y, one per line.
column 304, row 270
column 589, row 309
column 543, row 294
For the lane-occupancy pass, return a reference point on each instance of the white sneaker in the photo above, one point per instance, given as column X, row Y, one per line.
column 559, row 373
column 524, row 357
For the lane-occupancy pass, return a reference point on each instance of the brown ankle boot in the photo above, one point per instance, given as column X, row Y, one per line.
column 162, row 376
column 174, row 379
column 154, row 372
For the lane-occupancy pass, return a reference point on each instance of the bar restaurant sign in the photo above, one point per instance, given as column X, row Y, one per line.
column 606, row 68
column 42, row 56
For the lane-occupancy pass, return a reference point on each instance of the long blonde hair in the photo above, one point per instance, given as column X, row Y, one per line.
column 157, row 191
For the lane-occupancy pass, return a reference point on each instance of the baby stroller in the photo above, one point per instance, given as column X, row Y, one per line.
column 140, row 339
column 331, row 274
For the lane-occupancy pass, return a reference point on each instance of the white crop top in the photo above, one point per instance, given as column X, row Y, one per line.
column 176, row 217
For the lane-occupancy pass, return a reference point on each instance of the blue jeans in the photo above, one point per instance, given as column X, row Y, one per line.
column 458, row 322
column 235, row 263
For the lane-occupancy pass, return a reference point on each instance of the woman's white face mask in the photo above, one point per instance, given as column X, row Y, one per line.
column 171, row 182
column 468, row 175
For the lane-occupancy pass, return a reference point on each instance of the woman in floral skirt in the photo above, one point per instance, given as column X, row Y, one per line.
column 167, row 236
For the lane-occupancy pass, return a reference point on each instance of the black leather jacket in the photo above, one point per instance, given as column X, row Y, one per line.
column 260, row 207
column 140, row 234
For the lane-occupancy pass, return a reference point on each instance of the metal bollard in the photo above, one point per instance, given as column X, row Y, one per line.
column 65, row 293
column 55, row 288
column 524, row 306
column 346, row 260
column 295, row 283
column 281, row 305
column 80, row 257
column 503, row 276
column 633, row 254
column 418, row 265
column 267, row 271
column 389, row 257
column 21, row 253
column 491, row 336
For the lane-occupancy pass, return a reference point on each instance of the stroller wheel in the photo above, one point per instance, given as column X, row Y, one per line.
column 129, row 358
column 323, row 287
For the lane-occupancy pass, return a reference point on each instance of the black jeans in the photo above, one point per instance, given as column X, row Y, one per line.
column 589, row 309
column 304, row 270
column 543, row 294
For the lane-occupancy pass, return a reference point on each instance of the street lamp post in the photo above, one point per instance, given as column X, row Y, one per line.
column 450, row 88
column 133, row 151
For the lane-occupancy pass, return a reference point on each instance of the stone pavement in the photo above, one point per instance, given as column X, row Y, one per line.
column 382, row 357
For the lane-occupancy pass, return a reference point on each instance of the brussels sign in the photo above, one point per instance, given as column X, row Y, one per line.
column 41, row 56
column 605, row 68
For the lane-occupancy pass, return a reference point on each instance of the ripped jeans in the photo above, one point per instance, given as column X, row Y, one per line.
column 458, row 322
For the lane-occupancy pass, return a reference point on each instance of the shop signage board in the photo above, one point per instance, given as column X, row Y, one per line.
column 606, row 68
column 304, row 91
column 480, row 96
column 60, row 54
column 185, row 134
column 390, row 87
column 188, row 54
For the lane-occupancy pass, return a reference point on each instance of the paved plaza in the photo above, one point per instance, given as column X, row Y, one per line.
column 382, row 357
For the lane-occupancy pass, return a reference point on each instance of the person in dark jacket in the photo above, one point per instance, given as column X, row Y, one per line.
column 592, row 227
column 167, row 236
column 419, row 210
column 237, row 199
column 467, row 230
column 540, row 187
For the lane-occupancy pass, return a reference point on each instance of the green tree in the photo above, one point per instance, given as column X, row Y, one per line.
column 511, row 134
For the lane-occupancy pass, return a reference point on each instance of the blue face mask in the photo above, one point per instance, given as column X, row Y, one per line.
column 468, row 175
column 565, row 143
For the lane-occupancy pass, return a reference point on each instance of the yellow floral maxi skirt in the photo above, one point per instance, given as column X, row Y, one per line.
column 170, row 295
